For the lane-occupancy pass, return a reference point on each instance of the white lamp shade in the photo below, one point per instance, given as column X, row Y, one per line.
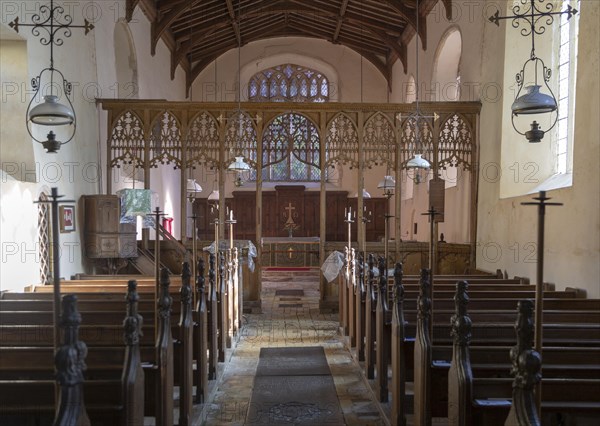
column 193, row 187
column 387, row 184
column 239, row 165
column 364, row 192
column 418, row 162
column 51, row 113
column 533, row 102
column 214, row 195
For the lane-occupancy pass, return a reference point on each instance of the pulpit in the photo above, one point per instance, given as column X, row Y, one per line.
column 104, row 236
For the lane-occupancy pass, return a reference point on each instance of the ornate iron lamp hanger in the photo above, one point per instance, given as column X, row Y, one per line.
column 239, row 165
column 532, row 101
column 56, row 24
column 418, row 163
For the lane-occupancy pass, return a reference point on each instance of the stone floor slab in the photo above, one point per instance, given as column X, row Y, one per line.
column 294, row 400
column 294, row 361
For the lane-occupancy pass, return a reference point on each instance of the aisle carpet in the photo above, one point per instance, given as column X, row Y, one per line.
column 293, row 386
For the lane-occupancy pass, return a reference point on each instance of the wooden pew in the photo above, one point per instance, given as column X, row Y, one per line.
column 382, row 335
column 109, row 334
column 565, row 309
column 106, row 334
column 474, row 400
column 431, row 374
column 370, row 320
column 115, row 398
column 201, row 345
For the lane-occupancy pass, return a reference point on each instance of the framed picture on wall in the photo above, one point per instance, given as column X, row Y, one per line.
column 66, row 216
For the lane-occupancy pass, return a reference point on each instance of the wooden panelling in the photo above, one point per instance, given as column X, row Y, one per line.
column 305, row 209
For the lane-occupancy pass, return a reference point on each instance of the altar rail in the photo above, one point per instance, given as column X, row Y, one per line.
column 451, row 259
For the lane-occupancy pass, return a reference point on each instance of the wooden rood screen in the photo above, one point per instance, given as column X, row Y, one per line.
column 146, row 134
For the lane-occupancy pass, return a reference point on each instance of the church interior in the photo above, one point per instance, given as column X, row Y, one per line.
column 361, row 212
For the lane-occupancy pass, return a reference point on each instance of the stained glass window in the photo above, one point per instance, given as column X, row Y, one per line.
column 291, row 141
column 288, row 83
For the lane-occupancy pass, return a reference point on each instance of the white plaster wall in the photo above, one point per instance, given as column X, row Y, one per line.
column 15, row 156
column 88, row 63
column 468, row 18
column 572, row 231
column 73, row 170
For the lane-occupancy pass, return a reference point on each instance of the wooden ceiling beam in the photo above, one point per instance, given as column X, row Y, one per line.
column 178, row 56
column 162, row 23
column 367, row 54
column 411, row 17
column 234, row 23
column 207, row 60
column 399, row 49
column 164, row 5
column 340, row 20
column 448, row 6
column 129, row 8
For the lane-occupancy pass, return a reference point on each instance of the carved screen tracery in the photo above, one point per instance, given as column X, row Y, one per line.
column 291, row 149
column 127, row 140
column 379, row 141
column 240, row 138
column 165, row 141
column 44, row 246
column 342, row 141
column 203, row 141
column 455, row 143
column 415, row 142
column 288, row 83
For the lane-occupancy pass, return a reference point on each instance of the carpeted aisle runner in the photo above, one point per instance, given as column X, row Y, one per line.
column 293, row 386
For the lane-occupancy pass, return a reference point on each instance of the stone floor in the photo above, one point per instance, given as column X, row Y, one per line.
column 288, row 320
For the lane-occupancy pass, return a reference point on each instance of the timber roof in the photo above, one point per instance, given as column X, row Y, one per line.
column 199, row 31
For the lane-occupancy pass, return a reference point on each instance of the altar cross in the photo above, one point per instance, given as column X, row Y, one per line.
column 290, row 209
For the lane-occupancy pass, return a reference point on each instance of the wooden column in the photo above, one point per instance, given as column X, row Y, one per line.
column 323, row 287
column 474, row 175
column 109, row 175
column 398, row 194
column 259, row 205
column 361, row 225
column 147, row 134
column 183, row 186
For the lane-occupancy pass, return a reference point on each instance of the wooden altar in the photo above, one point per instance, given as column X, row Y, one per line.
column 290, row 251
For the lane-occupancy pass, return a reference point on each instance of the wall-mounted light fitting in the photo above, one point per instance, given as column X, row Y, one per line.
column 49, row 22
column 529, row 100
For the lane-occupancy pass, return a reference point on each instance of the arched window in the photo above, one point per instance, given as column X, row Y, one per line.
column 567, row 68
column 291, row 150
column 529, row 168
column 125, row 62
column 411, row 90
column 288, row 83
column 446, row 68
column 446, row 80
column 291, row 142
